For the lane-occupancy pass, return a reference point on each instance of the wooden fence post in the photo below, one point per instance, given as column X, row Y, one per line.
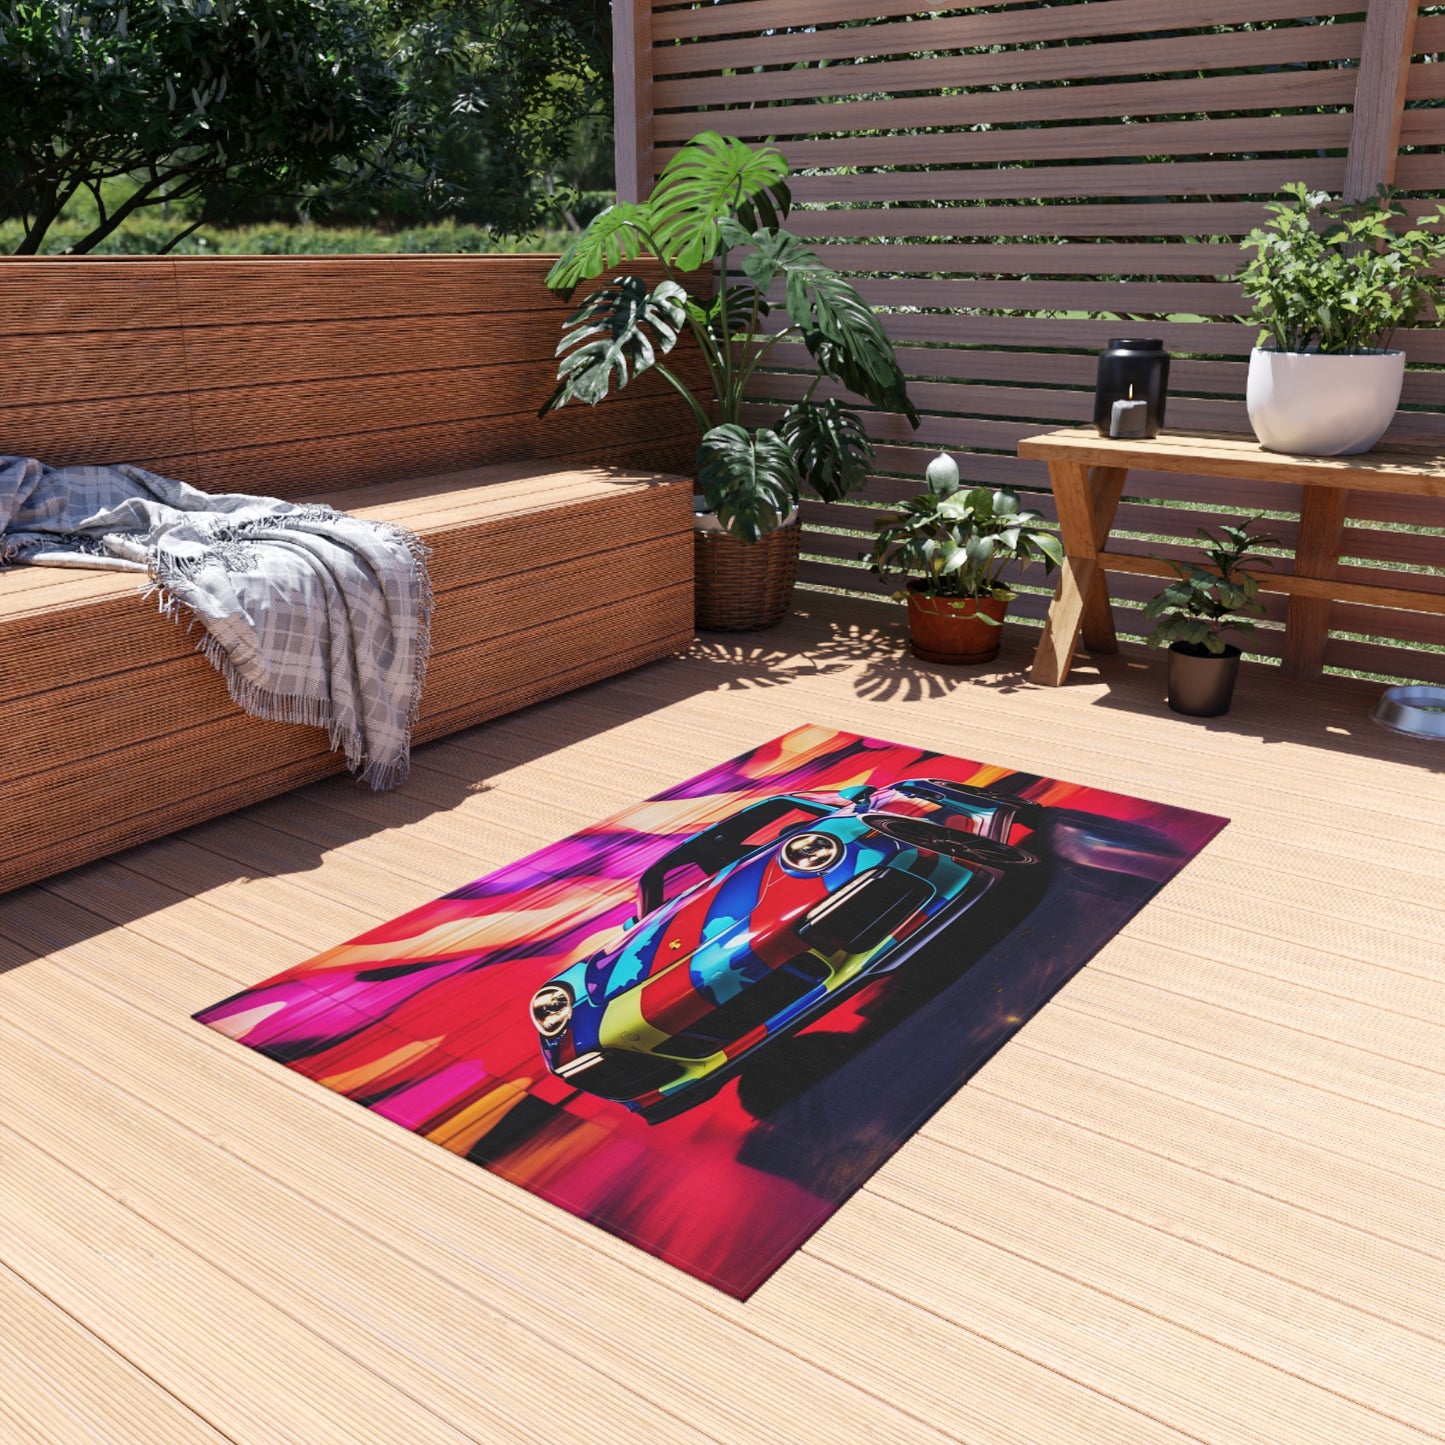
column 632, row 97
column 1374, row 147
column 1380, row 95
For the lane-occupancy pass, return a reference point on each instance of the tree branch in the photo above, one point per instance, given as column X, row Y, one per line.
column 143, row 195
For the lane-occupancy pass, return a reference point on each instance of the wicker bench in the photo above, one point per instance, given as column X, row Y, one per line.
column 549, row 573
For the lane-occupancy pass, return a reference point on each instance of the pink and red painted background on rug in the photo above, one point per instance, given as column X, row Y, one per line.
column 427, row 1020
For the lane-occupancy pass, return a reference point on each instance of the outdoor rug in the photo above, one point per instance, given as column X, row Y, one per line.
column 703, row 1023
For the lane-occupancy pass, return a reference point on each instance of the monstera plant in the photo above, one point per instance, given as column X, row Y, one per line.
column 722, row 203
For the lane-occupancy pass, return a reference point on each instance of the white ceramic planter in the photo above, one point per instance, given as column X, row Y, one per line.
column 1326, row 406
column 708, row 522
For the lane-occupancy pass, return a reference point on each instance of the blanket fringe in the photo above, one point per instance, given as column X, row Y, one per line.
column 281, row 707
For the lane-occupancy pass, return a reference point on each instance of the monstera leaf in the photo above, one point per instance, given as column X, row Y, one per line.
column 612, row 238
column 719, row 196
column 833, row 451
column 731, row 311
column 842, row 334
column 618, row 332
column 750, row 479
column 712, row 179
column 847, row 341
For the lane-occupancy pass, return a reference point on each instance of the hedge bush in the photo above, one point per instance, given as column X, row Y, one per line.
column 148, row 235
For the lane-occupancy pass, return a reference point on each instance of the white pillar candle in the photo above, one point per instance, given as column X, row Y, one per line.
column 1129, row 418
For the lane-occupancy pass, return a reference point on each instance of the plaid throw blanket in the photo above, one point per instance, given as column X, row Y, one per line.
column 312, row 616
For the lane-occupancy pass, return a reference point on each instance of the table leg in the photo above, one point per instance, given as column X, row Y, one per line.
column 1086, row 499
column 1106, row 486
column 1307, row 622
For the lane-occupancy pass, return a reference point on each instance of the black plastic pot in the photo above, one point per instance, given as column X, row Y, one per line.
column 1201, row 684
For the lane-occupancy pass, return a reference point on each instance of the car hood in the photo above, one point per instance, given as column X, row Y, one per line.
column 737, row 926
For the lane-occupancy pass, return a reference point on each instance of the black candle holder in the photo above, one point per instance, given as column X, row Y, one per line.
column 1131, row 370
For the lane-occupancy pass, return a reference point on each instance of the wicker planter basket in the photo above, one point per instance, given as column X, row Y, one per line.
column 742, row 587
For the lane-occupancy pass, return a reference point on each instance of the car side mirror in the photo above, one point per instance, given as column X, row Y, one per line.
column 857, row 794
column 630, row 921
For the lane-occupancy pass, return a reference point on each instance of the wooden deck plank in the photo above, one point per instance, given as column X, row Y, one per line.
column 480, row 1371
column 220, row 1348
column 1306, row 1174
column 362, row 1174
column 1198, row 1198
column 1340, row 1350
column 1212, row 1391
column 1395, row 1146
column 1381, row 1279
column 1368, row 1008
column 104, row 1396
column 1177, row 755
column 1287, row 822
column 513, row 753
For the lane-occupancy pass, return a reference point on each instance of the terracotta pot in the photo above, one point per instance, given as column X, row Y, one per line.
column 1201, row 685
column 950, row 629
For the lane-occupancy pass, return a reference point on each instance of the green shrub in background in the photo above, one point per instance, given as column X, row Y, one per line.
column 174, row 103
column 148, row 236
column 239, row 112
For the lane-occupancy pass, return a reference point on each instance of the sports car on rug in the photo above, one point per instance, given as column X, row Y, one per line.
column 755, row 926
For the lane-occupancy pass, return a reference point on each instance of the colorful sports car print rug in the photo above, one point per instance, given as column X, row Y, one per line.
column 703, row 1023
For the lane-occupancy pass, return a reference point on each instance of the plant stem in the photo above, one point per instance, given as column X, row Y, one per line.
column 729, row 399
column 704, row 422
column 747, row 373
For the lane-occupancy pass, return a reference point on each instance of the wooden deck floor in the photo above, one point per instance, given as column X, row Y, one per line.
column 1199, row 1198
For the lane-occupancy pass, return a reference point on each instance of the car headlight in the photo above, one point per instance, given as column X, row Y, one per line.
column 552, row 1009
column 811, row 852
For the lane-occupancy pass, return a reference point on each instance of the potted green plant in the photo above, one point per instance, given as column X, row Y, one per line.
column 1331, row 281
column 953, row 546
column 721, row 201
column 1193, row 612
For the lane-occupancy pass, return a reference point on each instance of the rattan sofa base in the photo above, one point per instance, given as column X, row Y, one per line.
column 115, row 731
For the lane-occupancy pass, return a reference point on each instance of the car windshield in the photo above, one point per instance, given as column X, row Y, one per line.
column 709, row 853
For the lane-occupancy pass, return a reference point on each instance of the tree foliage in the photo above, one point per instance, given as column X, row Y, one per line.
column 253, row 109
column 521, row 95
column 168, row 100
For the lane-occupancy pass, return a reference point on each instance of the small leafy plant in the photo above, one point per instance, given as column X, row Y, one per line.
column 720, row 200
column 1340, row 277
column 1195, row 611
column 956, row 543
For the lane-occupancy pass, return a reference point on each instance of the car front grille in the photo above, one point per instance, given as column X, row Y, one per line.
column 862, row 914
column 755, row 1005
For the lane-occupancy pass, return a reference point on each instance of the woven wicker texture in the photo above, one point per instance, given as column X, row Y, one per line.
column 743, row 587
column 340, row 379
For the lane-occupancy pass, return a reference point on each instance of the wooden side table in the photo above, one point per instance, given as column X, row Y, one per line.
column 1088, row 473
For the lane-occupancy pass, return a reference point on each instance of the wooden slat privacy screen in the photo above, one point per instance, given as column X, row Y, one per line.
column 1017, row 182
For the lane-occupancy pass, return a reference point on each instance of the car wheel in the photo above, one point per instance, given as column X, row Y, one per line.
column 986, row 850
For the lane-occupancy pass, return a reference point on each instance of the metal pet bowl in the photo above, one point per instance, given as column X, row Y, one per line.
column 1417, row 711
